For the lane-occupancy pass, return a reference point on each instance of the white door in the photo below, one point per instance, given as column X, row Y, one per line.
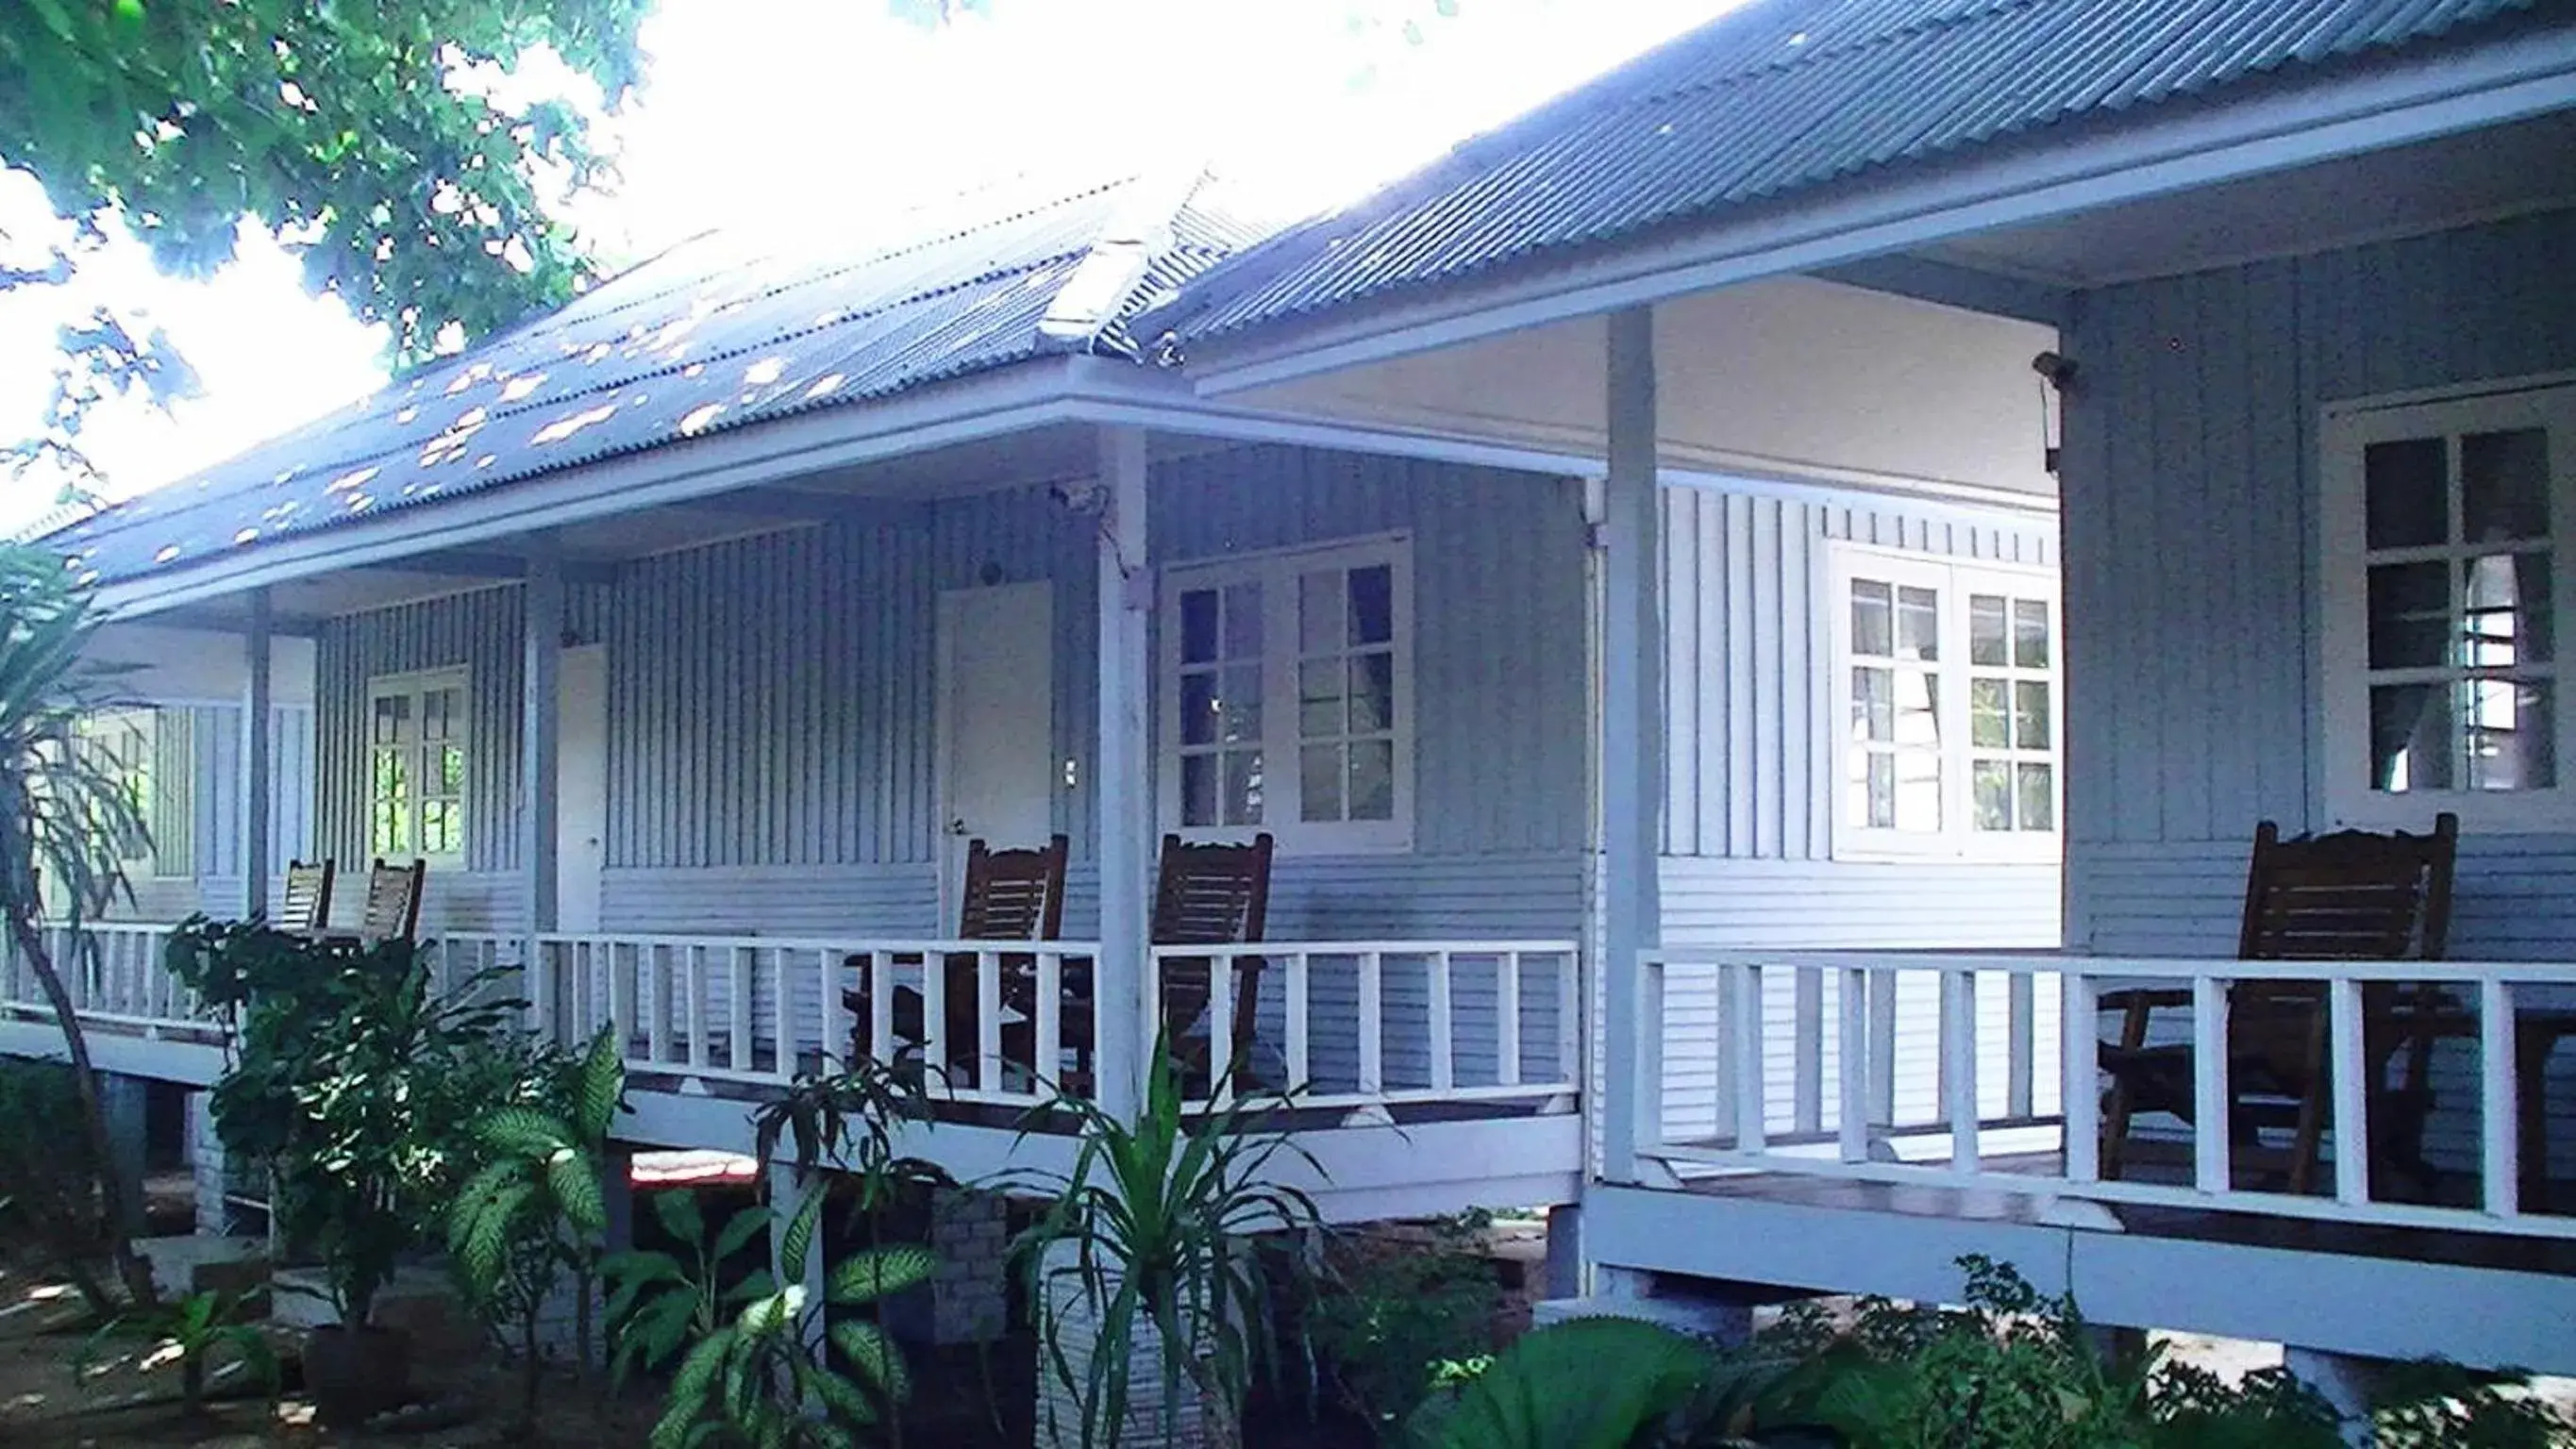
column 581, row 778
column 996, row 724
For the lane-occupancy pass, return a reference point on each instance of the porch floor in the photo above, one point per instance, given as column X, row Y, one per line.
column 2555, row 1257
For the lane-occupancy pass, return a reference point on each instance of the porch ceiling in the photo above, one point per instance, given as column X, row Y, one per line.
column 2527, row 166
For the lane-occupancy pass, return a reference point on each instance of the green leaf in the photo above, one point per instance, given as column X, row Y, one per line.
column 839, row 1395
column 796, row 1244
column 868, row 1276
column 678, row 1211
column 603, row 1086
column 875, row 1356
column 523, row 1132
column 739, row 1230
column 574, row 1179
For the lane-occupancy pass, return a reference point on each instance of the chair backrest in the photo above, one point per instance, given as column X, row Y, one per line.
column 393, row 901
column 307, row 906
column 1212, row 895
column 2350, row 896
column 1013, row 895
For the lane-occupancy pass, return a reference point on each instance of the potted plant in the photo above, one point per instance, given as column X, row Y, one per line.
column 356, row 1087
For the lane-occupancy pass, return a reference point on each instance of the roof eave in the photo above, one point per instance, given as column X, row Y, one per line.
column 2394, row 102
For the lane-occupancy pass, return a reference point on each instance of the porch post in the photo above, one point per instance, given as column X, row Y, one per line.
column 540, row 676
column 258, row 786
column 1124, row 775
column 1632, row 753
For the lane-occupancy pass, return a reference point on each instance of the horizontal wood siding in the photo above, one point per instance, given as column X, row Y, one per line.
column 1748, row 655
column 2191, row 491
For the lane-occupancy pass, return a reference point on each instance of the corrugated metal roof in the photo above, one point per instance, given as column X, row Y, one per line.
column 717, row 333
column 1783, row 95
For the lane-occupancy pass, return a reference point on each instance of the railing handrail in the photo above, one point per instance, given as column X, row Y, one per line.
column 1459, row 946
column 2155, row 968
column 853, row 944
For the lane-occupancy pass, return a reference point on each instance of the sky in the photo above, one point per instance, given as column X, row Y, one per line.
column 816, row 114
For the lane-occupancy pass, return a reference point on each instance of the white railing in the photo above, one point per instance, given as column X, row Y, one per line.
column 760, row 1010
column 115, row 975
column 1892, row 1074
column 1376, row 1023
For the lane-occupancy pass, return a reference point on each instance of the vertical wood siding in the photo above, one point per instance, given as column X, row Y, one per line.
column 2191, row 527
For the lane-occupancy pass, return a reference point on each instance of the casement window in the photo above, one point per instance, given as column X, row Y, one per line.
column 1946, row 692
column 2445, row 527
column 121, row 749
column 1288, row 698
column 416, row 753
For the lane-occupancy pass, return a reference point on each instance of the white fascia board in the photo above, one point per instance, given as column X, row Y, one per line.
column 2394, row 105
column 1005, row 401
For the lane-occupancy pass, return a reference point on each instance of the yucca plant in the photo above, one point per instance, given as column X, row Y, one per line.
column 535, row 1213
column 1148, row 1231
column 759, row 1383
column 64, row 816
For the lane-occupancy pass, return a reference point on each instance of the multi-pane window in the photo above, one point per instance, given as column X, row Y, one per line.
column 119, row 744
column 1946, row 693
column 416, row 743
column 1290, row 688
column 2445, row 523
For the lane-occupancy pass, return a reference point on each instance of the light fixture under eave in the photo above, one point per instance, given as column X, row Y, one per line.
column 2056, row 376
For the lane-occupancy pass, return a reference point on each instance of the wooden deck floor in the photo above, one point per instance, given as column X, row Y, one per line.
column 2462, row 1249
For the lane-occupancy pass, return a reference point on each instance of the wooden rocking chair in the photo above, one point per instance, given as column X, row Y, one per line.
column 306, row 910
column 393, row 901
column 1009, row 895
column 1204, row 895
column 2349, row 896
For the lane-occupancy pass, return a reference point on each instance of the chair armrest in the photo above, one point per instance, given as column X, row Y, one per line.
column 2151, row 997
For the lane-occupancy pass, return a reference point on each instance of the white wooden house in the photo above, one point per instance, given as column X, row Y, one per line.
column 1665, row 481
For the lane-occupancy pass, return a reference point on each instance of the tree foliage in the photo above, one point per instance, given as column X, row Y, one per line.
column 361, row 133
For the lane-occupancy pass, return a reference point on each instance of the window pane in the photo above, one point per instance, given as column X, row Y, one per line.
column 440, row 710
column 1918, row 792
column 1918, row 709
column 1198, row 626
column 2504, row 485
column 1987, row 640
column 392, row 713
column 2406, row 491
column 2508, row 610
column 2031, row 724
column 1319, row 782
column 1918, row 623
column 1873, row 628
column 1874, row 704
column 1319, row 698
column 1373, row 605
column 1319, row 612
column 393, row 774
column 1372, row 693
column 2030, row 633
column 1239, row 707
column 2509, row 740
column 1242, row 787
column 1989, row 714
column 2038, row 795
column 1198, row 790
column 1243, row 621
column 1373, row 780
column 2410, row 734
column 2410, row 613
column 1992, row 782
column 434, row 834
column 1879, row 799
column 1198, row 707
column 451, row 770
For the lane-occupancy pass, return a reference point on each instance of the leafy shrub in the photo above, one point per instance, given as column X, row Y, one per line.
column 49, row 1192
column 1391, row 1321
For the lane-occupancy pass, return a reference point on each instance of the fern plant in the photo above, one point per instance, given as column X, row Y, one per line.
column 536, row 1212
column 757, row 1382
column 1148, row 1231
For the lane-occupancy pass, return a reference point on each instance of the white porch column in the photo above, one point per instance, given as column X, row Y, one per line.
column 258, row 756
column 1632, row 753
column 1124, row 776
column 540, row 678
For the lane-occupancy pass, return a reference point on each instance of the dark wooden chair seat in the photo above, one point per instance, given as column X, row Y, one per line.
column 2348, row 896
column 1009, row 895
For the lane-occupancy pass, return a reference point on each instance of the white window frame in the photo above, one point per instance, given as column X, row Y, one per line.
column 1277, row 571
column 415, row 685
column 138, row 777
column 2344, row 675
column 1956, row 579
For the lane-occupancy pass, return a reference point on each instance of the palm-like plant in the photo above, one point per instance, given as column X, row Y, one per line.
column 1148, row 1231
column 536, row 1211
column 755, row 1383
column 62, row 815
column 195, row 1328
column 658, row 1305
